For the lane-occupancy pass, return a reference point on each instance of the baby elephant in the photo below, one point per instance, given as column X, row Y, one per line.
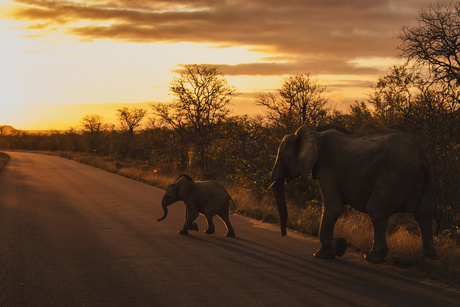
column 206, row 197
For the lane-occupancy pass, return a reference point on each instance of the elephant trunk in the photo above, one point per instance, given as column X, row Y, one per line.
column 278, row 191
column 165, row 209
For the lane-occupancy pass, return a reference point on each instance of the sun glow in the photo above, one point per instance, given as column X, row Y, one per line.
column 48, row 72
column 70, row 58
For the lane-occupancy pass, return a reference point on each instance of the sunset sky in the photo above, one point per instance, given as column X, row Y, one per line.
column 61, row 60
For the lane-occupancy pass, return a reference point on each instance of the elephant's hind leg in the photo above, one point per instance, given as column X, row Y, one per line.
column 388, row 195
column 425, row 224
column 210, row 229
column 224, row 216
column 424, row 218
column 380, row 248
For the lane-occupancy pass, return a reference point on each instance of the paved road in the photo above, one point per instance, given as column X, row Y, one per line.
column 73, row 235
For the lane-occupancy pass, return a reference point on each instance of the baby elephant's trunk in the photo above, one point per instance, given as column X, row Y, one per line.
column 165, row 209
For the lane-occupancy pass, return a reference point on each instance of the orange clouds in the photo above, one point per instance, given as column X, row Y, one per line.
column 315, row 35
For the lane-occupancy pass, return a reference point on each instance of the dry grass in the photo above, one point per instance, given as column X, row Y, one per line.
column 143, row 173
column 305, row 220
column 262, row 209
column 403, row 238
column 404, row 247
column 406, row 251
column 357, row 229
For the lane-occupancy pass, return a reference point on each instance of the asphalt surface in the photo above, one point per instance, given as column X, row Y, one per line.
column 73, row 235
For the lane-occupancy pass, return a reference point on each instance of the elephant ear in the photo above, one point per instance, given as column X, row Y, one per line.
column 307, row 149
column 183, row 187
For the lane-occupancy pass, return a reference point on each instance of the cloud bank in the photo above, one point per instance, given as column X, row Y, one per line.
column 317, row 36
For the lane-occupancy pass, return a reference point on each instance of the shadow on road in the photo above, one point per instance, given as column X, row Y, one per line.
column 378, row 282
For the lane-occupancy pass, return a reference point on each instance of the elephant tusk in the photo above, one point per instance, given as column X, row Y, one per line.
column 271, row 185
column 274, row 181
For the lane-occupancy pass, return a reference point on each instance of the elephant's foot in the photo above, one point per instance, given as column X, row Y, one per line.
column 430, row 254
column 375, row 258
column 325, row 253
column 230, row 234
column 335, row 247
column 429, row 251
column 183, row 232
column 210, row 231
column 194, row 226
column 339, row 246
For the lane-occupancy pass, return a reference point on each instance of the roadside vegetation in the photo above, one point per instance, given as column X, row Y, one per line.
column 198, row 134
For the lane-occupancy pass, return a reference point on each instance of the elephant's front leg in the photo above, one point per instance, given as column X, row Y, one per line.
column 224, row 216
column 190, row 216
column 330, row 247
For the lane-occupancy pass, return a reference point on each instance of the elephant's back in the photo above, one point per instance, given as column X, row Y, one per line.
column 212, row 189
column 404, row 148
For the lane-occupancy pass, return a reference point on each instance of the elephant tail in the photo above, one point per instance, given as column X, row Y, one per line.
column 428, row 191
column 231, row 199
column 438, row 217
column 183, row 175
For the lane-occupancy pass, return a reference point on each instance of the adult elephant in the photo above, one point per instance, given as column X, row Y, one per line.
column 380, row 173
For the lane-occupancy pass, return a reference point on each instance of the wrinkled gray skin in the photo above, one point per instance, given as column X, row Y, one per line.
column 206, row 197
column 379, row 173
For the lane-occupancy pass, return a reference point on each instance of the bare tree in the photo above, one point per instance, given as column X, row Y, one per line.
column 130, row 118
column 300, row 100
column 202, row 95
column 280, row 113
column 435, row 42
column 92, row 123
column 93, row 126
